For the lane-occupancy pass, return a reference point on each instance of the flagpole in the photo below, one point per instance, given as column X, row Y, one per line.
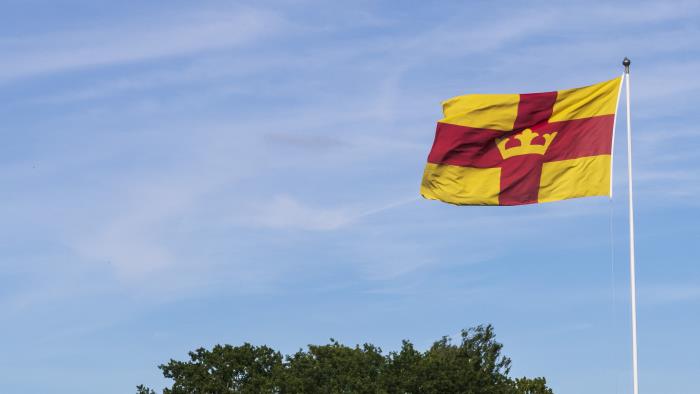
column 633, row 285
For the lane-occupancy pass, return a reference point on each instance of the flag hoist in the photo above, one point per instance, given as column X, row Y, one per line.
column 514, row 149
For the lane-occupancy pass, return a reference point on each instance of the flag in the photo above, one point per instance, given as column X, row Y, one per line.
column 513, row 149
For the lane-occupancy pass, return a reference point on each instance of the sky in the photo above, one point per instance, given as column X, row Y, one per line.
column 178, row 174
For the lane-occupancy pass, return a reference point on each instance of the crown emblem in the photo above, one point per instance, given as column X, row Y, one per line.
column 526, row 147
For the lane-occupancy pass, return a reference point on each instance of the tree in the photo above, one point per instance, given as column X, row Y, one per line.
column 473, row 366
column 334, row 368
column 226, row 369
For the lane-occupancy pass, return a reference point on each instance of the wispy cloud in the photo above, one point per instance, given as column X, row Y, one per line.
column 172, row 36
column 667, row 293
column 133, row 239
column 285, row 212
column 312, row 142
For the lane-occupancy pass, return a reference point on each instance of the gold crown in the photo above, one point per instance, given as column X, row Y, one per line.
column 526, row 147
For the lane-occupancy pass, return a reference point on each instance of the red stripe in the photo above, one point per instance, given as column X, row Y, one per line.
column 520, row 175
column 580, row 138
column 520, row 180
column 534, row 109
column 465, row 146
column 469, row 147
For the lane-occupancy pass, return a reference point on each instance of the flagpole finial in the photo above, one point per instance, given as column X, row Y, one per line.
column 626, row 62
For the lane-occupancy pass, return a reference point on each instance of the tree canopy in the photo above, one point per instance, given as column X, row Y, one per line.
column 475, row 365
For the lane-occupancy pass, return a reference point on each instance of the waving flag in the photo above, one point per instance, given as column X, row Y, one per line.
column 512, row 149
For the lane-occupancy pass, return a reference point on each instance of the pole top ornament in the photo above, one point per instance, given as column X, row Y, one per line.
column 626, row 62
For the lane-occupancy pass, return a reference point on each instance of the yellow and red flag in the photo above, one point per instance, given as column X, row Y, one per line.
column 512, row 149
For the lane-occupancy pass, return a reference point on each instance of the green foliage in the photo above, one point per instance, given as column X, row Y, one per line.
column 226, row 369
column 473, row 366
column 141, row 389
column 532, row 386
column 333, row 368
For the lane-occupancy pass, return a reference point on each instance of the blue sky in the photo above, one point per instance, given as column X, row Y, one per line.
column 177, row 175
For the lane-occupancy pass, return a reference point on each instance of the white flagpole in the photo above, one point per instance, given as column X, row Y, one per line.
column 633, row 286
